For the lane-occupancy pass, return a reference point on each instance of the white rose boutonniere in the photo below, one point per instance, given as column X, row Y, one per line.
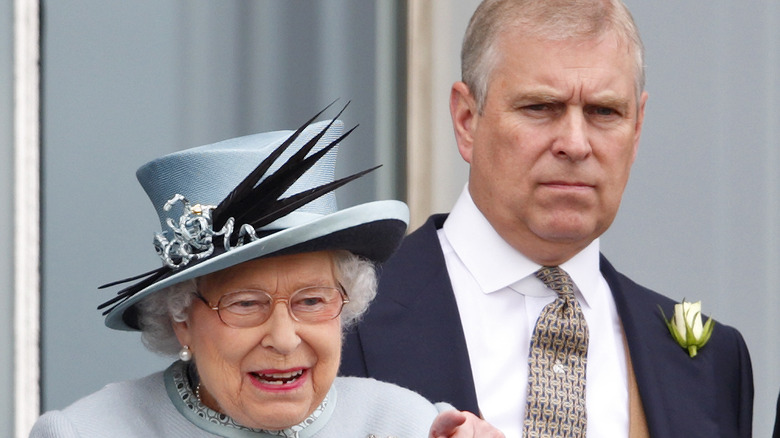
column 686, row 326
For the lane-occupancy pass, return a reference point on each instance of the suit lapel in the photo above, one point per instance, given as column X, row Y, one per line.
column 665, row 375
column 419, row 305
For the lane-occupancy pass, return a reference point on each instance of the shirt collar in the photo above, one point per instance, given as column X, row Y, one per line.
column 471, row 237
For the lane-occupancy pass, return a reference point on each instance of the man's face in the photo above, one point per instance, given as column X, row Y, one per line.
column 552, row 150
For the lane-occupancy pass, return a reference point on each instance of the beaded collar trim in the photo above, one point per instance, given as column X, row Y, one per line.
column 183, row 380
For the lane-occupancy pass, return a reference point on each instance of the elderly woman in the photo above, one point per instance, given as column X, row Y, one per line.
column 259, row 279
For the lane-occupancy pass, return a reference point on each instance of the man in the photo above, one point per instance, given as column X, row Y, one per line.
column 548, row 116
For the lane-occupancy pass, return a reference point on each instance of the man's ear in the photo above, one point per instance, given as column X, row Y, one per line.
column 463, row 110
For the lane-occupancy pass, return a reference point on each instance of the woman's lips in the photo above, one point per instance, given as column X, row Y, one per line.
column 279, row 379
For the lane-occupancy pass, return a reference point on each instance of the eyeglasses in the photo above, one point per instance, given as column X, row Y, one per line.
column 251, row 308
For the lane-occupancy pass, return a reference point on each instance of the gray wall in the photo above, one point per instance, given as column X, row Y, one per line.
column 6, row 216
column 701, row 215
column 125, row 82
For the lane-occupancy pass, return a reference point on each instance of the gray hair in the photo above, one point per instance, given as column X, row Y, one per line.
column 547, row 19
column 160, row 310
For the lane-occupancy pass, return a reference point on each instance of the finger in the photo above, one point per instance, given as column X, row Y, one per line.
column 475, row 427
column 446, row 423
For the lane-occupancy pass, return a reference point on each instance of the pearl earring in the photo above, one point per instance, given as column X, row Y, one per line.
column 185, row 354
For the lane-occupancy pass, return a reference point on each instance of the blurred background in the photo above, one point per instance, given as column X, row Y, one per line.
column 124, row 82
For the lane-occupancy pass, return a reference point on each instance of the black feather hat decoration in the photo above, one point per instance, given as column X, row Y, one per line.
column 218, row 210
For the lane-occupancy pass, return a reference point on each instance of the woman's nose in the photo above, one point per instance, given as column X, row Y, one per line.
column 281, row 330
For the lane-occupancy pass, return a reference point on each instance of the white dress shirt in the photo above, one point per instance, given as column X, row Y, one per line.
column 499, row 299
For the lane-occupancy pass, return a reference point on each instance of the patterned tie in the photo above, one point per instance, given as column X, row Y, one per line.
column 556, row 363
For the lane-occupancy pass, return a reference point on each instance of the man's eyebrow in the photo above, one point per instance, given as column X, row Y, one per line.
column 538, row 96
column 610, row 101
column 544, row 96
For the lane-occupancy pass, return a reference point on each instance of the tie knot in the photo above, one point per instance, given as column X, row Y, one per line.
column 556, row 279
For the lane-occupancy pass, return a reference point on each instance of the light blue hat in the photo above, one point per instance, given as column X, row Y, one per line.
column 256, row 196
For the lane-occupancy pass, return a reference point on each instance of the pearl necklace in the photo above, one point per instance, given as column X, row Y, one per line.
column 197, row 392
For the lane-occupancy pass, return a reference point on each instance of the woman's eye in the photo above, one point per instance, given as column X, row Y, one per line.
column 310, row 301
column 246, row 306
column 245, row 303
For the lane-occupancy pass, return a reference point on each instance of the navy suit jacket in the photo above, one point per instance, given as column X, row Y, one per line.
column 412, row 336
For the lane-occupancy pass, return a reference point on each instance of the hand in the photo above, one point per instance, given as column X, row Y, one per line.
column 462, row 424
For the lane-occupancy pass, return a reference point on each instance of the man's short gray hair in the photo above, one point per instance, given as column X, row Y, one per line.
column 546, row 19
column 159, row 311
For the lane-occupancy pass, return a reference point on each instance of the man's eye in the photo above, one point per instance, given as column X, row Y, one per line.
column 537, row 107
column 603, row 111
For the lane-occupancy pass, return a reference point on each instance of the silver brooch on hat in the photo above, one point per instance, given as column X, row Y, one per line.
column 193, row 237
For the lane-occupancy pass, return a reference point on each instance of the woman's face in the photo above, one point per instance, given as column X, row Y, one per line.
column 274, row 375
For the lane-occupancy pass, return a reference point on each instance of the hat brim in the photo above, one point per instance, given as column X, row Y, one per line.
column 372, row 230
